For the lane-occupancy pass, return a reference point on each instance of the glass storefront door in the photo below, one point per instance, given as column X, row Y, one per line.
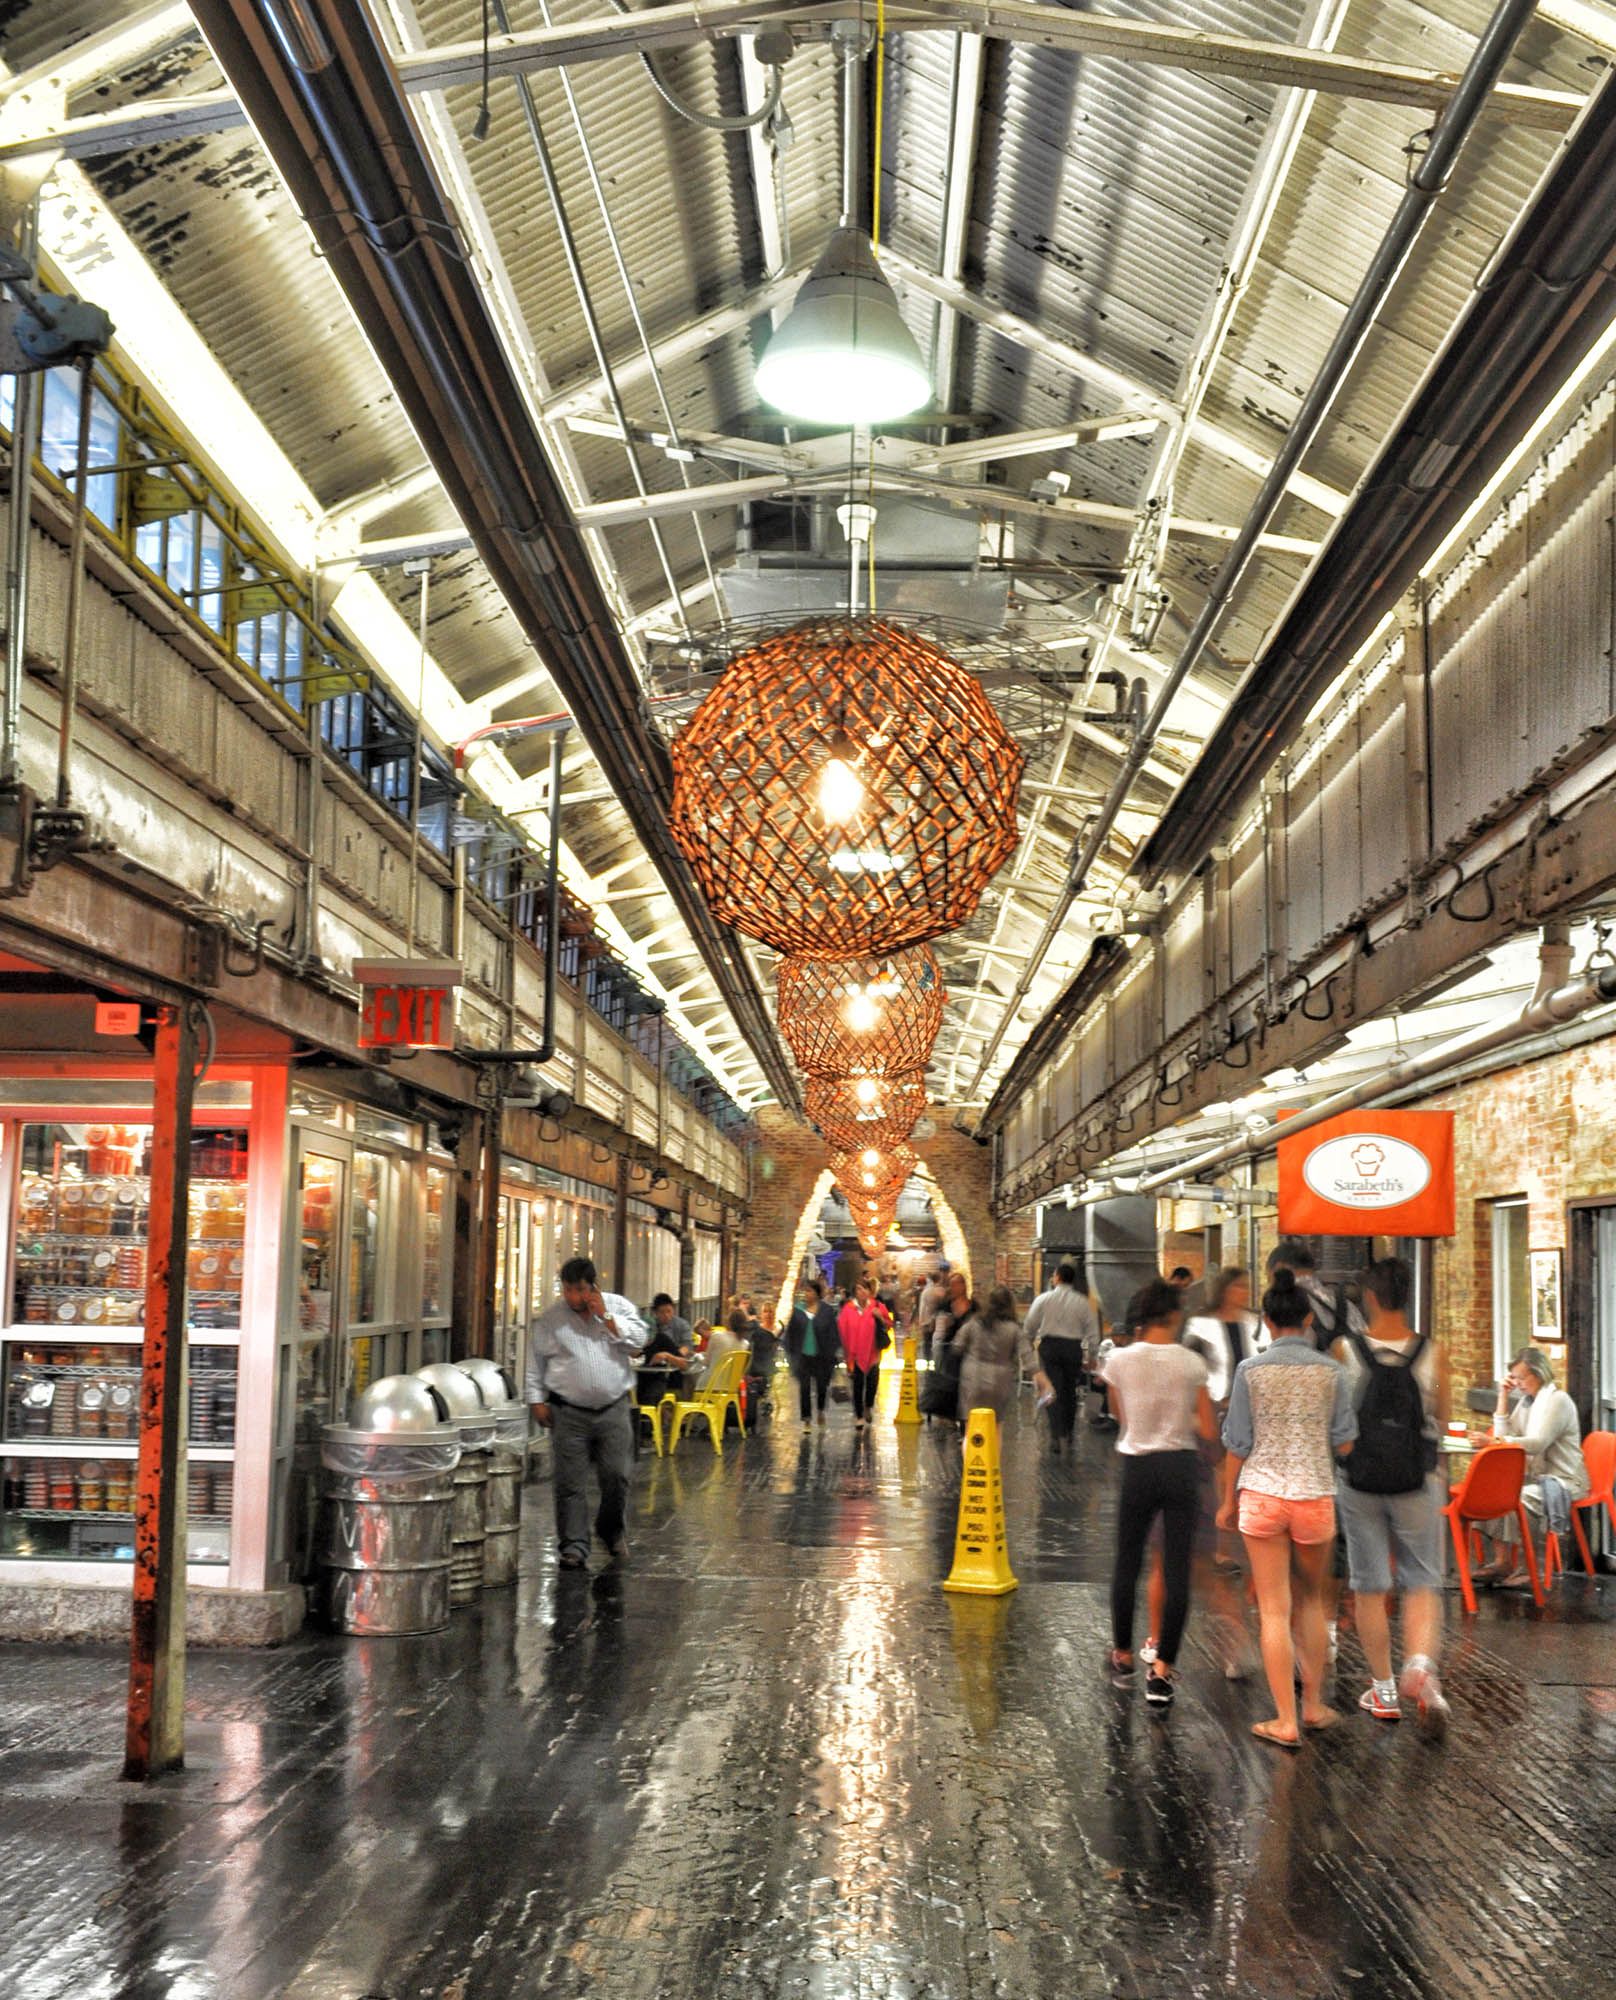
column 315, row 1313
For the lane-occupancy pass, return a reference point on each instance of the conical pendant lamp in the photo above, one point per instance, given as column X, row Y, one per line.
column 843, row 354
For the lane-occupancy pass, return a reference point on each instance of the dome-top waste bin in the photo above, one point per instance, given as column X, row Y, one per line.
column 469, row 1521
column 507, row 1467
column 386, row 1502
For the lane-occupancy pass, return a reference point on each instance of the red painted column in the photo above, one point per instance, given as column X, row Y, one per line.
column 154, row 1738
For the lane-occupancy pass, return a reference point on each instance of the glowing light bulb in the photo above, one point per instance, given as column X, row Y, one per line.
column 841, row 791
column 866, row 1090
column 862, row 1014
column 870, row 1157
column 869, row 1180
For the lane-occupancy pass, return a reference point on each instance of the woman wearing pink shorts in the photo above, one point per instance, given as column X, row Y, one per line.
column 1290, row 1417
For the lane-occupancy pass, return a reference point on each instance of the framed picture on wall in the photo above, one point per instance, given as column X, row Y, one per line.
column 1546, row 1309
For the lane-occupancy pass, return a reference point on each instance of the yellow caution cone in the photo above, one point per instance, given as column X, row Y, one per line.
column 908, row 1411
column 981, row 1560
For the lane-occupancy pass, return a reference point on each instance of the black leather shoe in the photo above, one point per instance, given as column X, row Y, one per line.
column 618, row 1550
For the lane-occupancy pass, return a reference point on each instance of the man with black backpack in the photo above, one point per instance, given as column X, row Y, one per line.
column 1387, row 1502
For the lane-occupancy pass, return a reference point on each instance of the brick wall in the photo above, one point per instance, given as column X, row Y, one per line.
column 790, row 1157
column 1545, row 1130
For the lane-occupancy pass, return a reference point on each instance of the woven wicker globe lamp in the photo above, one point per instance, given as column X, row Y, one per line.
column 871, row 1173
column 857, row 1113
column 845, row 788
column 870, row 1014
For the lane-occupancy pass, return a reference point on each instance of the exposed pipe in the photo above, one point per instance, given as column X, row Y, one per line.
column 586, row 304
column 1425, row 186
column 416, row 746
column 25, row 412
column 630, row 295
column 1554, row 1002
column 75, row 589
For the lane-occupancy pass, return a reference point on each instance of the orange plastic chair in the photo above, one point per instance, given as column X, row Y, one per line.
column 1599, row 1455
column 1490, row 1489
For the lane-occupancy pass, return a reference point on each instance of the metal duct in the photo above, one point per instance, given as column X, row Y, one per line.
column 1553, row 1004
column 322, row 95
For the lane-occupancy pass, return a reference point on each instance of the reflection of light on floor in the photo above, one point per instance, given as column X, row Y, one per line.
column 874, row 1695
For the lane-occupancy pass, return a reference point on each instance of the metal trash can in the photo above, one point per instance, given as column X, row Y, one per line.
column 386, row 1500
column 507, row 1467
column 468, row 1528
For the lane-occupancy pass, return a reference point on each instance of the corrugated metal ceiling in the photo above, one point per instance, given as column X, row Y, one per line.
column 1102, row 200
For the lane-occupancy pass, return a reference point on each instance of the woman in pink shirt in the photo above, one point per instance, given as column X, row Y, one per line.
column 861, row 1321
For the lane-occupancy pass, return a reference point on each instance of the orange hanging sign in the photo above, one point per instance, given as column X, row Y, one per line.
column 1369, row 1173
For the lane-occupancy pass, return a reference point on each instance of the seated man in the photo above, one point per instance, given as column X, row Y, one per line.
column 1544, row 1420
column 667, row 1352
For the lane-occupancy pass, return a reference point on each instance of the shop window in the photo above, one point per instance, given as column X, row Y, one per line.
column 434, row 1272
column 71, row 1386
column 1512, row 1285
column 364, row 1239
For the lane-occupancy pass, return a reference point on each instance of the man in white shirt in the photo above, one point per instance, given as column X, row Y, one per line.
column 1066, row 1330
column 580, row 1373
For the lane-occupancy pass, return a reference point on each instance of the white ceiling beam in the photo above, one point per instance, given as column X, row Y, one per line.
column 137, row 33
column 965, row 117
column 1035, row 444
column 1276, row 64
column 681, row 345
column 1128, row 392
column 984, row 499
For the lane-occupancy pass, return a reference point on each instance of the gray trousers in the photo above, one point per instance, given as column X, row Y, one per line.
column 579, row 1439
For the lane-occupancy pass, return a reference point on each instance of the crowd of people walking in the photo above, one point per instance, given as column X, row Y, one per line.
column 1291, row 1444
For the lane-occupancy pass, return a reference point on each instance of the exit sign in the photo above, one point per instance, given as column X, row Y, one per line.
column 406, row 1003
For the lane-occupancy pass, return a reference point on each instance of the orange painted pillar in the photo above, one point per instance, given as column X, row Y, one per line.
column 154, row 1736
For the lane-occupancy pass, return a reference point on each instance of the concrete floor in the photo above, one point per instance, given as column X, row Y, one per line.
column 773, row 1759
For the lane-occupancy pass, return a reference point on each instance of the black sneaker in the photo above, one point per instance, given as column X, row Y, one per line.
column 1121, row 1671
column 1159, row 1690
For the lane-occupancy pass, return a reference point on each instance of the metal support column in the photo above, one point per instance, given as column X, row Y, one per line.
column 620, row 1221
column 479, row 1334
column 154, row 1737
column 687, row 1256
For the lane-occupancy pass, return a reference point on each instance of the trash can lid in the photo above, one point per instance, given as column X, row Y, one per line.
column 490, row 1378
column 397, row 1403
column 458, row 1389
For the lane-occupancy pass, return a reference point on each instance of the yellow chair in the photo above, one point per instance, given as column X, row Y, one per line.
column 714, row 1399
column 653, row 1413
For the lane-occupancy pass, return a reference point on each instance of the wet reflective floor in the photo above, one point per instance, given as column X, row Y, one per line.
column 771, row 1758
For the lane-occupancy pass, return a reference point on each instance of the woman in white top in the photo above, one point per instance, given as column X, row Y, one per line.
column 1158, row 1396
column 1544, row 1420
column 1225, row 1331
column 1290, row 1416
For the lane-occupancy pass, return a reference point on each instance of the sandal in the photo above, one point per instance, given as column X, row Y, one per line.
column 1269, row 1732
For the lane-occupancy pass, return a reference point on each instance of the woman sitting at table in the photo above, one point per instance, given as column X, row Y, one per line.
column 1544, row 1420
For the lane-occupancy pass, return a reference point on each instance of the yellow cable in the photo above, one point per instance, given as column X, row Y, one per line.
column 875, row 167
column 875, row 235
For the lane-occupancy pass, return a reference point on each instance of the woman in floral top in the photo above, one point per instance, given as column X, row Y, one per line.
column 1290, row 1417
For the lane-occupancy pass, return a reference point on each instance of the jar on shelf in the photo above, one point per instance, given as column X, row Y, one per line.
column 64, row 1416
column 92, row 1409
column 37, row 1398
column 70, row 1208
column 92, row 1308
column 92, row 1486
column 96, row 1211
column 37, row 1197
column 120, row 1412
